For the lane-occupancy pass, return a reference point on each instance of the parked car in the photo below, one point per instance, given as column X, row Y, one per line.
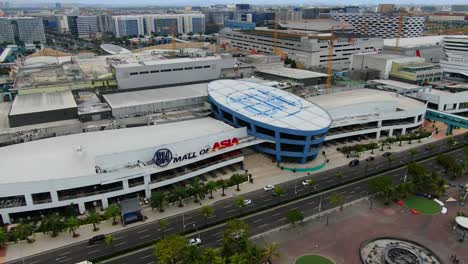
column 370, row 158
column 146, row 201
column 195, row 241
column 387, row 154
column 353, row 163
column 305, row 182
column 248, row 202
column 269, row 188
column 96, row 239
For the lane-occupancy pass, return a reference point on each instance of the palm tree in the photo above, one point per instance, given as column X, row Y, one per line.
column 211, row 256
column 451, row 141
column 223, row 184
column 238, row 258
column 399, row 139
column 51, row 224
column 271, row 251
column 413, row 152
column 158, row 199
column 254, row 253
column 178, row 194
column 163, row 224
column 439, row 185
column 207, row 211
column 382, row 144
column 278, row 191
column 23, row 231
column 109, row 240
column 198, row 190
column 237, row 179
column 211, row 186
column 73, row 224
column 337, row 199
column 3, row 237
column 94, row 218
column 113, row 211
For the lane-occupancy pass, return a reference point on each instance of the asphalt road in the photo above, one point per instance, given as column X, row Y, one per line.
column 225, row 209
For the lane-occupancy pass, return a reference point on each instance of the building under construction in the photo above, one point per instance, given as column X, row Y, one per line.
column 308, row 49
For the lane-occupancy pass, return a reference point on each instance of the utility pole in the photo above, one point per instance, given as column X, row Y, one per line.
column 320, row 206
column 197, row 230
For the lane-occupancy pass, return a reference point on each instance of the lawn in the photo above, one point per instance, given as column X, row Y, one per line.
column 313, row 259
column 424, row 205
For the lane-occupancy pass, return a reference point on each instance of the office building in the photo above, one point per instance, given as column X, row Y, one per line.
column 386, row 8
column 383, row 25
column 460, row 8
column 456, row 50
column 287, row 14
column 25, row 29
column 159, row 24
column 427, row 47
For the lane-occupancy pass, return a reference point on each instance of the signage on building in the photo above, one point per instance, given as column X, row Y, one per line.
column 7, row 203
column 163, row 157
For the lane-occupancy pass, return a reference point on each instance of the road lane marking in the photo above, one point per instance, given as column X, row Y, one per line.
column 231, row 210
column 262, row 225
column 94, row 251
column 266, row 200
column 63, row 260
column 142, row 231
column 169, row 229
column 281, row 219
column 147, row 256
column 120, row 244
column 276, row 214
column 258, row 220
column 143, row 237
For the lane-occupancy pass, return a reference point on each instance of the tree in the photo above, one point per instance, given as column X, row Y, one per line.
column 237, row 179
column 278, row 191
column 158, row 199
column 403, row 190
column 198, row 190
column 271, row 251
column 337, row 199
column 238, row 258
column 3, row 237
column 253, row 253
column 212, row 256
column 382, row 144
column 23, row 231
column 207, row 211
column 235, row 238
column 340, row 175
column 172, row 250
column 240, row 202
column 94, row 218
column 109, row 240
column 113, row 211
column 72, row 225
column 211, row 186
column 163, row 224
column 223, row 184
column 380, row 184
column 178, row 195
column 295, row 216
column 413, row 152
column 451, row 141
column 439, row 184
column 51, row 224
column 311, row 184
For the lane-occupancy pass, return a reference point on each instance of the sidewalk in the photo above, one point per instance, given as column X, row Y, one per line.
column 263, row 171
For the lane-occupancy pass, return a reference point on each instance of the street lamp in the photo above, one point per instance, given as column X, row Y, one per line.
column 194, row 225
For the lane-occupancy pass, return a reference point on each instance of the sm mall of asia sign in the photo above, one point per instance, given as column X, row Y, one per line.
column 163, row 157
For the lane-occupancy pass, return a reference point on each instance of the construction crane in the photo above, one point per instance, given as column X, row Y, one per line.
column 331, row 47
column 400, row 30
column 173, row 43
column 277, row 50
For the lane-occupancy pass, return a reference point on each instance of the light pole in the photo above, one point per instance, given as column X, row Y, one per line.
column 183, row 221
column 320, row 206
column 194, row 225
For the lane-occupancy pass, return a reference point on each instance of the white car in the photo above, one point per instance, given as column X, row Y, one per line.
column 195, row 241
column 269, row 188
column 305, row 182
column 247, row 202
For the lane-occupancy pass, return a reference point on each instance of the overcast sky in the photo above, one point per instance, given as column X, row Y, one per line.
column 258, row 2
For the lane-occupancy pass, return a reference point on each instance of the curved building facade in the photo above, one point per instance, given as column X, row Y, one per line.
column 294, row 129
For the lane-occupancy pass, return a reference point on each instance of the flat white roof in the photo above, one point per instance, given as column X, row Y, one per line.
column 269, row 105
column 463, row 221
column 40, row 102
column 164, row 61
column 418, row 41
column 127, row 99
column 396, row 84
column 291, row 73
column 56, row 158
column 361, row 96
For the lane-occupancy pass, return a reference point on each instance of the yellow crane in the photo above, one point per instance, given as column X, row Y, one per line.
column 277, row 50
column 400, row 30
column 173, row 43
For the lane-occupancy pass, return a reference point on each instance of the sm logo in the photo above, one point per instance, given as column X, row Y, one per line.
column 162, row 157
column 225, row 144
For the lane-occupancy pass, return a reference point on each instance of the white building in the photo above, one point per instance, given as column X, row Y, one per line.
column 99, row 168
column 153, row 72
column 312, row 50
column 368, row 113
column 383, row 25
column 428, row 47
column 456, row 50
column 161, row 24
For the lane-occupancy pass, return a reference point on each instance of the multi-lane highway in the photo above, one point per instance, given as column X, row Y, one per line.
column 147, row 233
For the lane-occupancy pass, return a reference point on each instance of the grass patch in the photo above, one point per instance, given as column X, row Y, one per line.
column 424, row 205
column 313, row 259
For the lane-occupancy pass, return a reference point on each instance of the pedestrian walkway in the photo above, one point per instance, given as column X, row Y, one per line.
column 263, row 171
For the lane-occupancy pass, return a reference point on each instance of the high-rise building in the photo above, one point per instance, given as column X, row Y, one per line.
column 383, row 25
column 25, row 29
column 242, row 7
column 460, row 8
column 456, row 50
column 160, row 24
column 286, row 14
column 386, row 8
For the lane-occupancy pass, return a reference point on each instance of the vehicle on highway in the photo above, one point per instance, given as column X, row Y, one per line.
column 195, row 241
column 305, row 182
column 96, row 239
column 269, row 188
column 370, row 158
column 247, row 202
column 387, row 154
column 353, row 163
column 146, row 201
